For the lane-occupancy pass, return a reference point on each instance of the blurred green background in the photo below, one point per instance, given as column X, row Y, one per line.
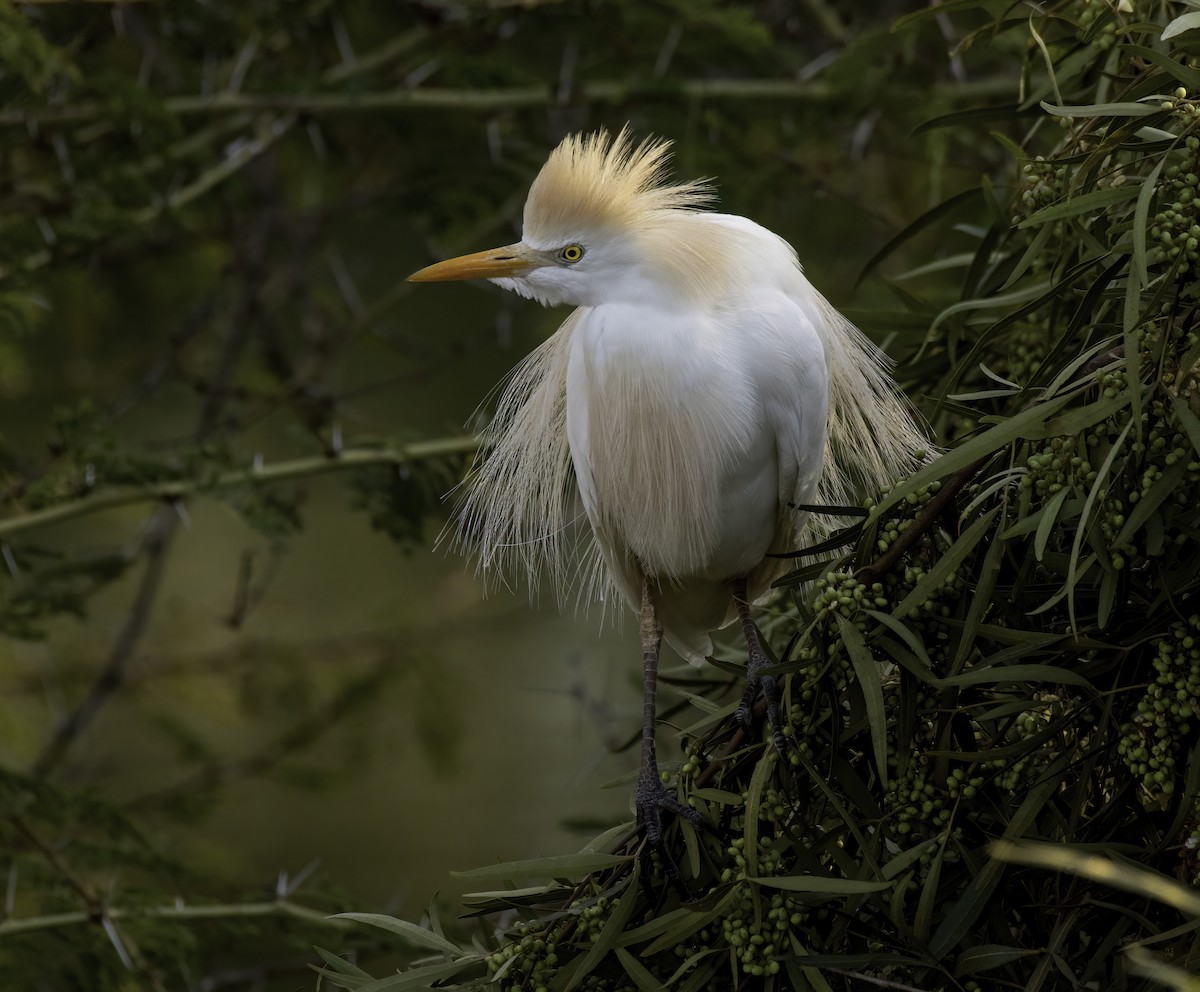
column 206, row 214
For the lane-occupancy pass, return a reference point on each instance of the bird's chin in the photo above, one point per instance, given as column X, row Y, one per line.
column 523, row 287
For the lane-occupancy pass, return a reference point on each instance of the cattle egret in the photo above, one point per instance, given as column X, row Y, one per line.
column 701, row 392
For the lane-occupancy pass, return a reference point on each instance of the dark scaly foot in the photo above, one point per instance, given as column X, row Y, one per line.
column 651, row 797
column 756, row 682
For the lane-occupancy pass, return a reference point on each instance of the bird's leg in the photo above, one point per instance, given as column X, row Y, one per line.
column 756, row 661
column 651, row 796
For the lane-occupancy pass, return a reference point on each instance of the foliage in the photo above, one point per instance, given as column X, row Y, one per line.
column 204, row 210
column 1007, row 650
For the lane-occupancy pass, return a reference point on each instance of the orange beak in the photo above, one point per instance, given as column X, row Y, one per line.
column 495, row 263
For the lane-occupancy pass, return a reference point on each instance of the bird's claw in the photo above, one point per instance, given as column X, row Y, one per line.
column 768, row 685
column 652, row 798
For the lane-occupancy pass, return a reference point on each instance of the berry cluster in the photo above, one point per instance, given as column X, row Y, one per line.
column 1163, row 725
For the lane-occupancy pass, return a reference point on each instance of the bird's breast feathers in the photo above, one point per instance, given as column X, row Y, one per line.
column 672, row 418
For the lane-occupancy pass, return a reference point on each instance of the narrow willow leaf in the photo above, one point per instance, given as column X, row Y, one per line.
column 905, row 633
column 905, row 859
column 800, row 974
column 1095, row 201
column 638, row 972
column 985, row 581
column 1101, row 110
column 867, row 670
column 950, row 562
column 929, row 217
column 1074, row 421
column 1165, row 486
column 987, row 956
column 935, row 10
column 1003, row 301
column 758, row 782
column 1141, row 215
column 559, row 866
column 1187, row 420
column 612, row 929
column 1029, row 424
column 420, row 978
column 1182, row 23
column 691, row 962
column 820, row 884
column 349, row 975
column 1099, row 487
column 928, row 901
column 409, row 931
column 976, row 115
column 1139, row 880
column 958, row 919
column 1183, row 73
column 337, row 978
column 718, row 796
column 1017, row 673
column 1046, row 524
column 690, row 919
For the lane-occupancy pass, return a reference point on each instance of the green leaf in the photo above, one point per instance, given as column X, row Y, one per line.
column 1144, row 882
column 1074, row 421
column 820, row 884
column 409, row 931
column 905, row 859
column 420, row 978
column 1095, row 201
column 1184, row 74
column 1017, row 673
column 1182, row 23
column 558, row 866
column 930, row 216
column 1102, row 110
column 1187, row 420
column 1046, row 524
column 1098, row 489
column 987, row 956
column 344, row 974
column 950, row 562
column 612, row 929
column 1029, row 424
column 867, row 670
column 758, row 781
column 691, row 918
column 641, row 977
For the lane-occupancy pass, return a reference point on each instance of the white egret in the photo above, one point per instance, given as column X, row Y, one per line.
column 701, row 391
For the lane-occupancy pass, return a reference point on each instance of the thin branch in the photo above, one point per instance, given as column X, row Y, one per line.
column 54, row 858
column 280, row 907
column 162, row 529
column 924, row 520
column 485, row 100
column 300, row 735
column 107, row 499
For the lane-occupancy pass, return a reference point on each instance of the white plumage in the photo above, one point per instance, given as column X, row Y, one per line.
column 701, row 391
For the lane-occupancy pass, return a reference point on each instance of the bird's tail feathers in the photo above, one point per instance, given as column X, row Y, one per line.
column 874, row 435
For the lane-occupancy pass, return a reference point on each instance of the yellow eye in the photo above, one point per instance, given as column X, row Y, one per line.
column 572, row 253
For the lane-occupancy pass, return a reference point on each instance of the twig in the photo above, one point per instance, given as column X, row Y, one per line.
column 921, row 523
column 300, row 735
column 56, row 861
column 107, row 499
column 158, row 539
column 280, row 907
column 489, row 100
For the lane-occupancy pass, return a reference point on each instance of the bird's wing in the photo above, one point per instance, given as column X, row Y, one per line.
column 787, row 359
column 518, row 510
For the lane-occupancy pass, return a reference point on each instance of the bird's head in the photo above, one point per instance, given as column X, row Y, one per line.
column 602, row 223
